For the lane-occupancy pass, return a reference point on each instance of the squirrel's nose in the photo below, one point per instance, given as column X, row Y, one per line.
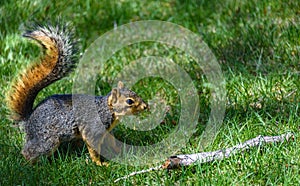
column 144, row 106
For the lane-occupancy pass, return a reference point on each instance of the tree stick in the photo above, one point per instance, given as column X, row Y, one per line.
column 204, row 157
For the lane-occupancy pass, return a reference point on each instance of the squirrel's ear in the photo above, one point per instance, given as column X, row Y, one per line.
column 115, row 93
column 120, row 85
column 113, row 97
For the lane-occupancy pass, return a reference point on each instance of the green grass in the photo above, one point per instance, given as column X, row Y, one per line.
column 257, row 44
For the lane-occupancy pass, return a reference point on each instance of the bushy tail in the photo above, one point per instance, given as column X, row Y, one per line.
column 58, row 59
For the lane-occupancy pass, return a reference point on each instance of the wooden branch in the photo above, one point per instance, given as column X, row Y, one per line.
column 139, row 172
column 204, row 157
column 185, row 160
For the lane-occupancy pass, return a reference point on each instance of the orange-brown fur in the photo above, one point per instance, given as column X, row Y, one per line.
column 23, row 90
column 59, row 118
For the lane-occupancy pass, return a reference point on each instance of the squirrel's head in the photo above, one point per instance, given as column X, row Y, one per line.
column 123, row 101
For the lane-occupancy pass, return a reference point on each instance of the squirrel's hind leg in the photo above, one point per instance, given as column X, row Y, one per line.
column 35, row 148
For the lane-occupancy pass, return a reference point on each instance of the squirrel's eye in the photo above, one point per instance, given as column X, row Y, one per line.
column 129, row 101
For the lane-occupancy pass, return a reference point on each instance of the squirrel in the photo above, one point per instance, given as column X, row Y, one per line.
column 55, row 119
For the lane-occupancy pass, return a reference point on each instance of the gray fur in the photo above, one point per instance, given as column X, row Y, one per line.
column 62, row 118
column 56, row 120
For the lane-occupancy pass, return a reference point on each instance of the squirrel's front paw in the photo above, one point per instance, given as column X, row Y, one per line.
column 102, row 164
column 97, row 162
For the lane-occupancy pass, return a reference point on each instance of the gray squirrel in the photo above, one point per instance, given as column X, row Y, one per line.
column 54, row 120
